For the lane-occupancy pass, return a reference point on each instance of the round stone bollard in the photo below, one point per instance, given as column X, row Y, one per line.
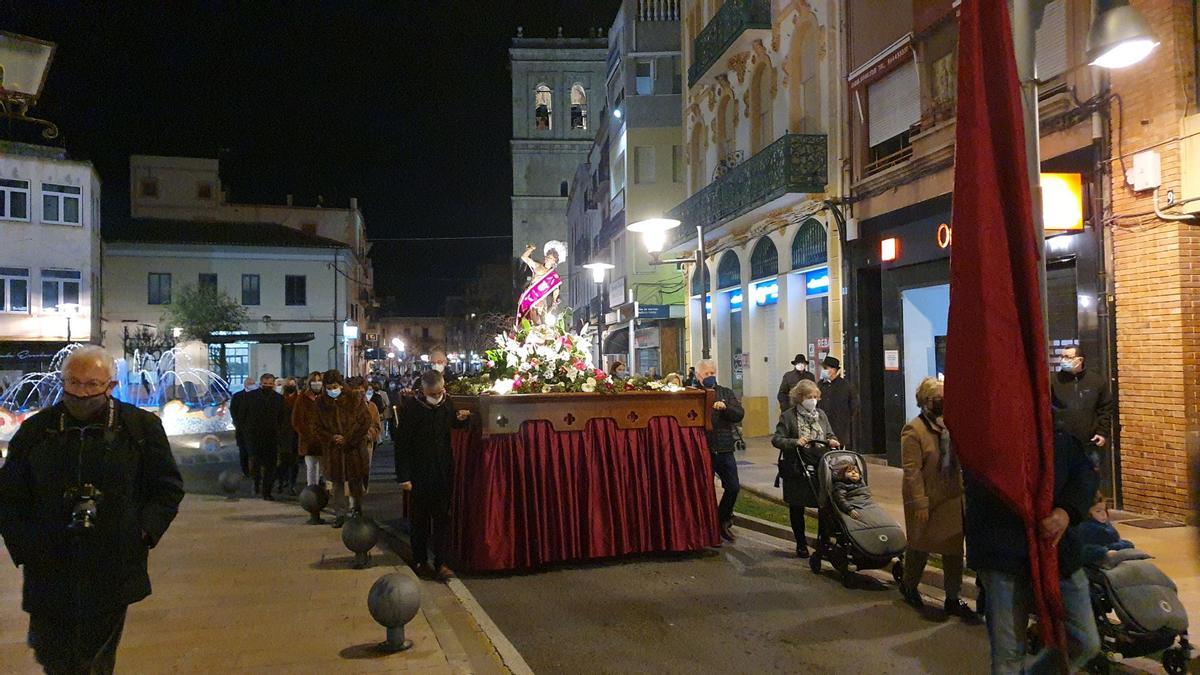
column 393, row 601
column 313, row 498
column 231, row 482
column 210, row 444
column 360, row 534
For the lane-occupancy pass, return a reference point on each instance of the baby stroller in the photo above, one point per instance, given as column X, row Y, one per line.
column 870, row 543
column 1138, row 611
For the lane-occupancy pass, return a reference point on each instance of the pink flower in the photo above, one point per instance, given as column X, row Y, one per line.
column 517, row 383
column 600, row 374
column 580, row 365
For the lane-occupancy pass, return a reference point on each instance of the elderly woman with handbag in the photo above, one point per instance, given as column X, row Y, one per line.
column 933, row 503
column 798, row 426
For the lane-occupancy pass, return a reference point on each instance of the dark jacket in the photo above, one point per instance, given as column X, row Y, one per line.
column 790, row 379
column 995, row 534
column 849, row 497
column 237, row 411
column 1082, row 405
column 264, row 417
column 126, row 456
column 838, row 402
column 796, row 489
column 424, row 454
column 287, row 439
column 1097, row 539
column 721, row 438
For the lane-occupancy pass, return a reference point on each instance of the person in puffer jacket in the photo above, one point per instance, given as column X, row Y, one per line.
column 850, row 494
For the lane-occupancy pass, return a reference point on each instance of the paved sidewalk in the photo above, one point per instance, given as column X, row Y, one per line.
column 245, row 587
column 1174, row 549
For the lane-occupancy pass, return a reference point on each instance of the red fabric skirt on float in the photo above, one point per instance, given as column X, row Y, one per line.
column 540, row 496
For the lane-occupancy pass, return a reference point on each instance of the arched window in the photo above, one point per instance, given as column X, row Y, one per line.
column 760, row 106
column 578, row 107
column 696, row 157
column 701, row 284
column 809, row 246
column 729, row 272
column 804, row 89
column 543, row 107
column 728, row 131
column 764, row 259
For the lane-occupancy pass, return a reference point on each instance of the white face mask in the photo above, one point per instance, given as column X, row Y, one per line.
column 369, row 394
column 810, row 404
column 800, row 367
column 435, row 400
column 439, row 367
column 315, row 386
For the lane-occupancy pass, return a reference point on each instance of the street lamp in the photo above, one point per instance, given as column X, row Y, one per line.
column 654, row 235
column 599, row 269
column 24, row 63
column 1119, row 36
column 69, row 310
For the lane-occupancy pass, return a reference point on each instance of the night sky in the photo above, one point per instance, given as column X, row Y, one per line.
column 403, row 104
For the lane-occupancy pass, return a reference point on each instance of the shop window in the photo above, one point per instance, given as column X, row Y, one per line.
column 543, row 107
column 809, row 247
column 701, row 284
column 579, row 112
column 729, row 271
column 764, row 260
column 14, row 282
column 60, row 287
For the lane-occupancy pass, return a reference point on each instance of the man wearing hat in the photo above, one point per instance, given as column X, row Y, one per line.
column 837, row 400
column 791, row 378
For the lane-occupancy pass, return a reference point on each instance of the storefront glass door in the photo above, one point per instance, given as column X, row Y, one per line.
column 926, row 311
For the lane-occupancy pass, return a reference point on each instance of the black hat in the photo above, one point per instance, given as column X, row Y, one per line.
column 831, row 362
column 800, row 358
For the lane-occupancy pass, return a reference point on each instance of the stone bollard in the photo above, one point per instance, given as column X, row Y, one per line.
column 360, row 535
column 313, row 498
column 393, row 601
column 231, row 482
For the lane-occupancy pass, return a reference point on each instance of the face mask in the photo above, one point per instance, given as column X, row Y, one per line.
column 251, row 387
column 369, row 394
column 84, row 408
column 935, row 407
column 334, row 393
column 315, row 386
column 800, row 367
column 826, row 375
column 289, row 390
column 437, row 400
column 1067, row 365
column 709, row 382
column 279, row 389
column 439, row 367
column 810, row 404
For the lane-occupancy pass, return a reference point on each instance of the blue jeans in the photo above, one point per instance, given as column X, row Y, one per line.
column 1009, row 598
column 725, row 466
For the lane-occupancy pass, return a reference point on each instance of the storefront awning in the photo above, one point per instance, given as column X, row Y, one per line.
column 261, row 338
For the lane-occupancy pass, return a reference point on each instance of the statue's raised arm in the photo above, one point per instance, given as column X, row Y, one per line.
column 541, row 295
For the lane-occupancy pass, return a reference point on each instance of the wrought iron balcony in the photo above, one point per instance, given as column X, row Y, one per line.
column 795, row 163
column 734, row 18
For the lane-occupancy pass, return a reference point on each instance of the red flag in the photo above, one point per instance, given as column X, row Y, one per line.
column 997, row 376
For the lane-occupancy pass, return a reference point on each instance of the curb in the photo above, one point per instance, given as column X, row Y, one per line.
column 505, row 650
column 933, row 576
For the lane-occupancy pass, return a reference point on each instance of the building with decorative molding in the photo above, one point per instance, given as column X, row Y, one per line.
column 761, row 117
column 557, row 90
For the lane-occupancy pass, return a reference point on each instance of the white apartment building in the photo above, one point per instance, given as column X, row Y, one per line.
column 49, row 255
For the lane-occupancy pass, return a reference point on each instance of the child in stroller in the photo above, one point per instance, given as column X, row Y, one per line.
column 851, row 528
column 1136, row 606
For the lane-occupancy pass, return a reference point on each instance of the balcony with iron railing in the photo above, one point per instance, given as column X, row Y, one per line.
column 795, row 163
column 736, row 22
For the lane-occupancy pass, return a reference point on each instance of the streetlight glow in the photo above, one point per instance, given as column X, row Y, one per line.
column 598, row 270
column 1119, row 36
column 654, row 232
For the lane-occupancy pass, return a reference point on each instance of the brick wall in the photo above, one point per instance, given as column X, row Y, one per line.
column 1156, row 271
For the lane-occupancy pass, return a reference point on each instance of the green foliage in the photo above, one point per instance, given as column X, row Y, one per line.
column 199, row 311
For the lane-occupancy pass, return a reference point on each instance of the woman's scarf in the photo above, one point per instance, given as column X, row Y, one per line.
column 949, row 459
column 809, row 424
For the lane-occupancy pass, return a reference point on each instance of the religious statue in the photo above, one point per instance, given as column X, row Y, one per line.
column 540, row 297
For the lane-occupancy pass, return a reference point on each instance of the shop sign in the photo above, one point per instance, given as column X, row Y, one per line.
column 766, row 293
column 653, row 311
column 817, row 281
column 880, row 66
column 891, row 359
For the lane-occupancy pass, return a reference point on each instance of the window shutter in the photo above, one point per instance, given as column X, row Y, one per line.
column 1052, row 41
column 893, row 104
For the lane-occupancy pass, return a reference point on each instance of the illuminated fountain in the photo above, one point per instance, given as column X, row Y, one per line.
column 189, row 399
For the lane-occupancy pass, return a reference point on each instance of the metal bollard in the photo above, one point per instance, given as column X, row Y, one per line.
column 230, row 481
column 313, row 498
column 360, row 534
column 393, row 601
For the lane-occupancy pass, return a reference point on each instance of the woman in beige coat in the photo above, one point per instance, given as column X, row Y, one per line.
column 933, row 507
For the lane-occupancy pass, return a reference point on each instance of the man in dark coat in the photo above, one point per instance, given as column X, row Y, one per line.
column 265, row 415
column 998, row 551
column 89, row 487
column 726, row 413
column 838, row 401
column 425, row 465
column 237, row 411
column 1082, row 403
column 791, row 378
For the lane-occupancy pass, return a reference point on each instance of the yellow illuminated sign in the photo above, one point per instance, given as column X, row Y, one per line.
column 1062, row 202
